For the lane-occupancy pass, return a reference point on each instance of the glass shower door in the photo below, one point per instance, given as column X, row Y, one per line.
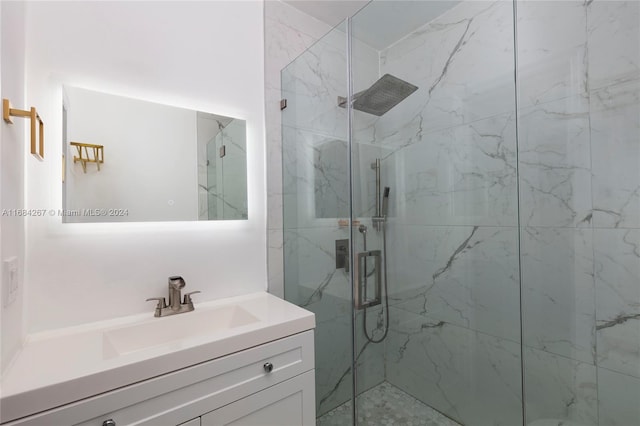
column 316, row 212
column 434, row 171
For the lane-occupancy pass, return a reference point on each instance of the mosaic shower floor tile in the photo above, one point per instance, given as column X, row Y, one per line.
column 386, row 405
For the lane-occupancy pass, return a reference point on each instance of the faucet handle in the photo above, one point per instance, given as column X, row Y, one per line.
column 161, row 302
column 187, row 297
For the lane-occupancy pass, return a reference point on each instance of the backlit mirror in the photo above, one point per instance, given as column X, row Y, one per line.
column 128, row 160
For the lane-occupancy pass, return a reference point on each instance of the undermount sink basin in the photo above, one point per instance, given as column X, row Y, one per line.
column 173, row 329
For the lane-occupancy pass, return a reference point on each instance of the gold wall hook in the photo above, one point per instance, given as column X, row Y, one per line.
column 37, row 125
column 84, row 157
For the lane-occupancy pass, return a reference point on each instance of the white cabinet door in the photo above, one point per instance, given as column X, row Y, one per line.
column 290, row 403
column 193, row 422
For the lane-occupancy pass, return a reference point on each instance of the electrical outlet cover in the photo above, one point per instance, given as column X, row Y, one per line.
column 10, row 280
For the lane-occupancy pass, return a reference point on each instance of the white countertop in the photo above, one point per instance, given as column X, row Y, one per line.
column 62, row 366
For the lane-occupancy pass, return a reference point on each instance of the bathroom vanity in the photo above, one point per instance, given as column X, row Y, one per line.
column 246, row 360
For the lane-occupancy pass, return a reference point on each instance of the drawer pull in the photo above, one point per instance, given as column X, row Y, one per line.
column 268, row 367
column 109, row 422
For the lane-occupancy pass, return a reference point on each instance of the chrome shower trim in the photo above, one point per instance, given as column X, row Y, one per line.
column 387, row 92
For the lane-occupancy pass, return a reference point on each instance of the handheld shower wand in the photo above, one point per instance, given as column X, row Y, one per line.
column 385, row 203
column 381, row 215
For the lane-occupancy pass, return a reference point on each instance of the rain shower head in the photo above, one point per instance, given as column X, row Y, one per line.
column 383, row 95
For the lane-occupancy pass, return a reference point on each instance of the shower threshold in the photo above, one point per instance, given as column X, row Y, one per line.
column 386, row 405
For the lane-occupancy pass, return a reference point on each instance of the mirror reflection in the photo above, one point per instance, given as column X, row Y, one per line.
column 129, row 160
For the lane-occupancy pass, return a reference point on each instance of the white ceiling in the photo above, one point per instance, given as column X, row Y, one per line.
column 381, row 23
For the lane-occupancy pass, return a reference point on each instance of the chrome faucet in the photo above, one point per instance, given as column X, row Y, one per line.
column 176, row 284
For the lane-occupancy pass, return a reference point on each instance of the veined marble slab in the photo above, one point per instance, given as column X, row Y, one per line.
column 463, row 64
column 469, row 376
column 552, row 51
column 615, row 132
column 560, row 388
column 463, row 275
column 558, row 292
column 614, row 42
column 554, row 163
column 617, row 273
column 311, row 274
column 618, row 396
column 460, row 176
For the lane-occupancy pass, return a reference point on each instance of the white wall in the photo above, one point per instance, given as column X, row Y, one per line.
column 205, row 56
column 151, row 148
column 12, row 148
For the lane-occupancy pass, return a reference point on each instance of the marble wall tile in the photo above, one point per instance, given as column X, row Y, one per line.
column 617, row 273
column 370, row 355
column 618, row 396
column 222, row 183
column 275, row 215
column 552, row 50
column 615, row 131
column 297, row 158
column 311, row 84
column 274, row 159
column 364, row 128
column 333, row 360
column 364, row 177
column 558, row 291
column 311, row 278
column 203, row 199
column 559, row 388
column 275, row 262
column 330, row 179
column 300, row 162
column 288, row 32
column 460, row 176
column 314, row 81
column 438, row 57
column 467, row 276
column 290, row 206
column 614, row 42
column 315, row 176
column 469, row 376
column 333, row 350
column 554, row 163
column 232, row 176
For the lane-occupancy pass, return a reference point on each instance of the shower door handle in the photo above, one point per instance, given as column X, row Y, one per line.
column 359, row 274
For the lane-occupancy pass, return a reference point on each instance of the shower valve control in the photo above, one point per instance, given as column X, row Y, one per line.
column 342, row 254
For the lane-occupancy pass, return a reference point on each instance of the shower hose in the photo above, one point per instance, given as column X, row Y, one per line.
column 386, row 293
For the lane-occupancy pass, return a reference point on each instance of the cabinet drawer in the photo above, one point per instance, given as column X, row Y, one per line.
column 290, row 403
column 182, row 395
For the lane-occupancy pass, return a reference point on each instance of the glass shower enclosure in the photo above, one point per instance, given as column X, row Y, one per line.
column 461, row 184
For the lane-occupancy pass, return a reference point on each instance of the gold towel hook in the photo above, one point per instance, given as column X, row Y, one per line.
column 8, row 112
column 84, row 157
